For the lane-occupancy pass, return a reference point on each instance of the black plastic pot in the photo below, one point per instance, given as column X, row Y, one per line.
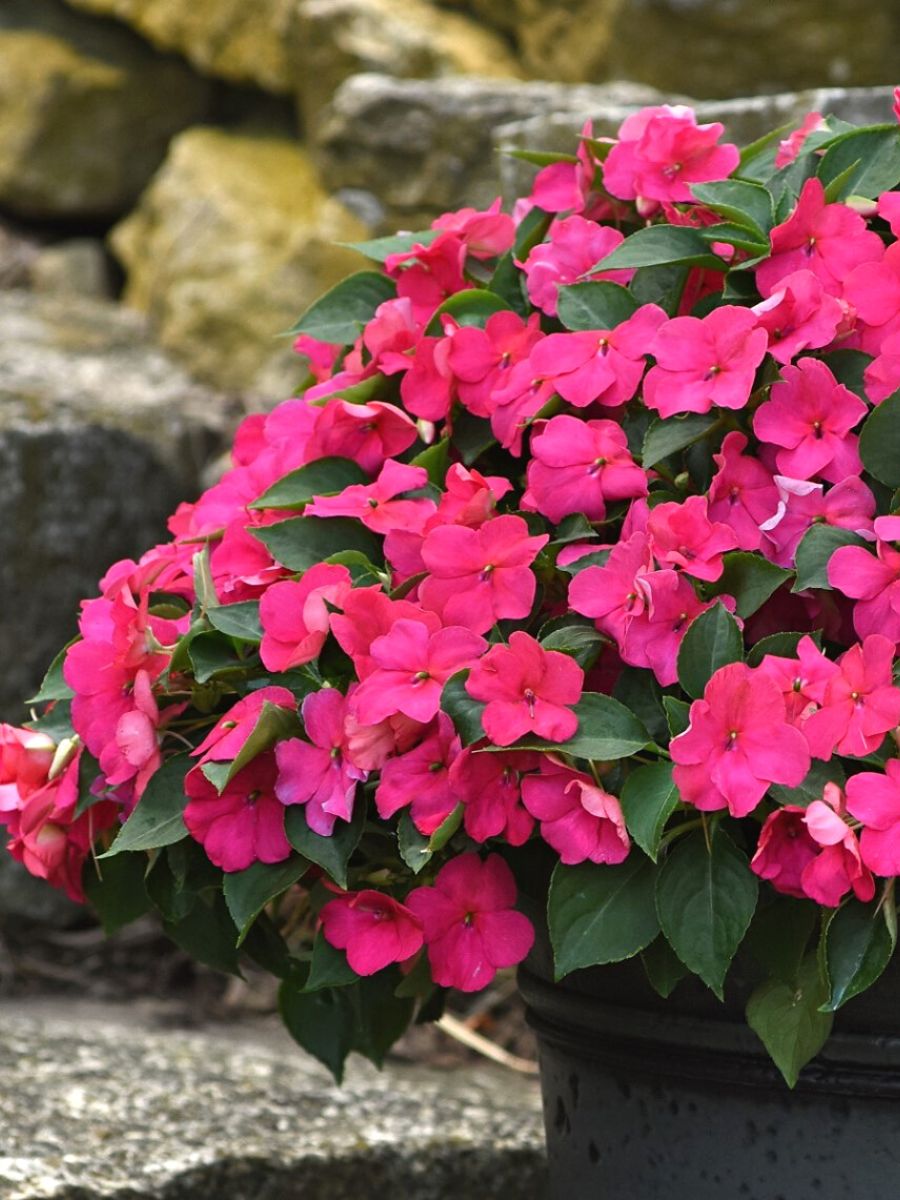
column 651, row 1099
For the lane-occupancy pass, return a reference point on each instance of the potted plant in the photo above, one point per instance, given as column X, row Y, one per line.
column 554, row 621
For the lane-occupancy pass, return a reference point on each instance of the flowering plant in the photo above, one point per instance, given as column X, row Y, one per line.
column 580, row 534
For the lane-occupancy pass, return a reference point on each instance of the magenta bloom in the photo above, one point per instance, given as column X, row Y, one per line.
column 810, row 416
column 427, row 387
column 827, row 239
column 376, row 504
column 882, row 376
column 682, row 536
column 859, row 705
column 874, row 582
column 367, row 433
column 319, row 774
column 652, row 637
column 802, row 680
column 471, row 928
column 295, row 615
column 427, row 275
column 848, row 505
column 790, row 147
column 579, row 820
column 243, row 825
column 528, row 690
column 872, row 290
column 421, row 779
column 480, row 576
column 706, row 362
column 614, row 594
column 373, row 928
column 369, row 614
column 577, row 466
column 226, row 739
column 799, row 315
column 599, row 366
column 574, row 248
column 838, row 867
column 661, row 151
column 874, row 799
column 490, row 786
column 737, row 744
column 411, row 666
column 481, row 359
column 487, row 232
column 784, row 851
column 743, row 493
column 565, row 186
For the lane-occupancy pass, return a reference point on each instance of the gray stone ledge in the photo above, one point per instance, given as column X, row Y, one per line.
column 98, row 1107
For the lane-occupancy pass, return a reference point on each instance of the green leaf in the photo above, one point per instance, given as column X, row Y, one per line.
column 446, row 829
column 712, row 641
column 211, row 653
column 750, row 579
column 659, row 246
column 649, row 798
column 507, row 282
column 53, row 686
column 156, row 819
column 532, row 229
column 848, row 367
column 332, row 853
column 88, row 774
column 581, row 642
column 814, row 553
column 380, row 1016
column 541, row 158
column 606, row 730
column 705, row 900
column 116, row 890
column 663, row 968
column 595, row 305
column 301, row 542
column 413, row 846
column 735, row 235
column 363, row 572
column 470, row 307
column 320, row 1022
column 747, row 204
column 666, row 437
column 380, row 249
column 434, row 459
column 272, row 725
column 812, row 786
column 206, row 933
column 782, row 645
column 239, row 620
column 786, row 1019
column 678, row 714
column 324, row 477
column 56, row 722
column 601, row 914
column 328, row 967
column 660, row 285
column 463, row 711
column 879, row 441
column 874, row 156
column 638, row 690
column 471, row 437
column 779, row 936
column 248, row 892
column 339, row 316
column 859, row 944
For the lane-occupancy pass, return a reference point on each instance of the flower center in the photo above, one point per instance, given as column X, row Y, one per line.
column 530, row 699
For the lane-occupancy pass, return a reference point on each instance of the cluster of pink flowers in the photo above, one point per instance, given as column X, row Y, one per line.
column 528, row 482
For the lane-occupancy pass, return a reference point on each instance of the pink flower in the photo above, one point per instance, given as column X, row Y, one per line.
column 366, row 433
column 882, row 376
column 517, row 402
column 421, row 779
column 320, row 356
column 784, row 851
column 369, row 614
column 480, row 576
column 801, row 680
column 486, row 233
column 528, row 690
column 874, row 582
column 827, row 239
column 377, row 504
column 799, row 315
column 652, row 637
column 742, row 494
column 859, row 704
column 427, row 275
column 810, row 416
column 599, row 366
column 427, row 388
column 320, row 775
column 577, row 466
column 243, row 825
column 481, row 359
column 566, row 186
column 848, row 505
column 226, row 739
column 295, row 616
column 490, row 787
column 874, row 799
column 578, row 819
column 706, row 362
column 411, row 667
column 872, row 289
column 612, row 594
column 682, row 535
column 790, row 147
column 737, row 744
column 471, row 928
column 574, row 248
column 390, row 335
column 373, row 928
column 661, row 151
column 25, row 759
column 838, row 867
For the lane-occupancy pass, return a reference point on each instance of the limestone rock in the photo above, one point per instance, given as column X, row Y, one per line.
column 18, row 251
column 404, row 38
column 100, row 437
column 233, row 239
column 424, row 146
column 98, row 1108
column 240, row 41
column 73, row 267
column 86, row 112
